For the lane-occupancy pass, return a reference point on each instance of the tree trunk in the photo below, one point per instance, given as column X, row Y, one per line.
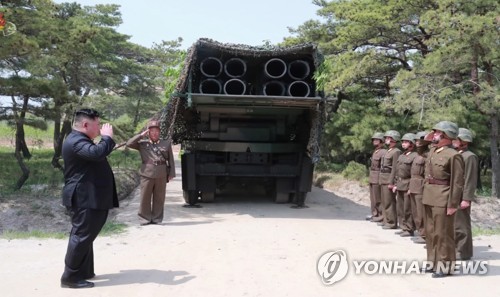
column 474, row 73
column 55, row 141
column 58, row 141
column 21, row 150
column 495, row 158
column 26, row 172
column 136, row 115
column 494, row 140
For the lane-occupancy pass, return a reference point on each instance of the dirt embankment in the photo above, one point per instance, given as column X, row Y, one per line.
column 485, row 212
column 40, row 208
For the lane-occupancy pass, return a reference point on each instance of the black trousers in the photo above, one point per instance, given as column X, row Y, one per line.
column 79, row 260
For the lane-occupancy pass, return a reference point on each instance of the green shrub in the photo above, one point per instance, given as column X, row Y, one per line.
column 355, row 171
column 324, row 166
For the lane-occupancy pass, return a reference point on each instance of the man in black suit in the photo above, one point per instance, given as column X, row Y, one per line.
column 89, row 191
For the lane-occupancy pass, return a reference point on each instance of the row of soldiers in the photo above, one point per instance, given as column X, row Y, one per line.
column 426, row 190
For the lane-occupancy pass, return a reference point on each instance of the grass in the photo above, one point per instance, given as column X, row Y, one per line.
column 42, row 172
column 10, row 235
column 109, row 229
column 113, row 228
column 477, row 231
column 34, row 137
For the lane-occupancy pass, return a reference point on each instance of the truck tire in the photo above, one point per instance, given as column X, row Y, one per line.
column 300, row 198
column 191, row 197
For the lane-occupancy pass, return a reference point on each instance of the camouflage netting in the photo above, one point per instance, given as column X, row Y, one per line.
column 179, row 119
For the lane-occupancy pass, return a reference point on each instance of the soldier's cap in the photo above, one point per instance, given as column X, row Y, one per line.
column 153, row 124
column 465, row 135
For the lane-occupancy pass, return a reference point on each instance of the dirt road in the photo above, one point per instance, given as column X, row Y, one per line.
column 239, row 247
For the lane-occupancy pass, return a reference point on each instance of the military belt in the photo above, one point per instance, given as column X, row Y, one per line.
column 156, row 163
column 435, row 181
column 417, row 176
column 375, row 169
column 386, row 170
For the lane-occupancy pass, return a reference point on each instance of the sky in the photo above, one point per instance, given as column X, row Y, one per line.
column 247, row 22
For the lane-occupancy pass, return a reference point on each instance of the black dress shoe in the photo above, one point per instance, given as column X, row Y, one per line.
column 427, row 270
column 90, row 276
column 438, row 275
column 76, row 285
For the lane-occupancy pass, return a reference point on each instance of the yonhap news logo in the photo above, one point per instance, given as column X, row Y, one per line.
column 333, row 267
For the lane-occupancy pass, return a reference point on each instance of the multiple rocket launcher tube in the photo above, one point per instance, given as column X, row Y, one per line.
column 276, row 71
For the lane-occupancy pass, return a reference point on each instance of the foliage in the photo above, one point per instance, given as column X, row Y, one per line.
column 355, row 171
column 43, row 174
column 67, row 56
column 323, row 166
column 405, row 65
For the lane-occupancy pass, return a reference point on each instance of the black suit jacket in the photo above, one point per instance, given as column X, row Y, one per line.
column 88, row 179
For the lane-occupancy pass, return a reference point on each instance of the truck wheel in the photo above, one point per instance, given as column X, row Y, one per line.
column 299, row 199
column 207, row 196
column 191, row 197
column 281, row 197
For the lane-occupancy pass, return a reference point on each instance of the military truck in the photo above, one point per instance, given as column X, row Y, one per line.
column 249, row 116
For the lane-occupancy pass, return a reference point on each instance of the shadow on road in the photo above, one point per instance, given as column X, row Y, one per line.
column 143, row 276
column 321, row 205
column 249, row 200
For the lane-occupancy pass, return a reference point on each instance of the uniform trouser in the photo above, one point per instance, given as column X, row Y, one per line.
column 375, row 200
column 440, row 238
column 417, row 209
column 388, row 206
column 405, row 216
column 463, row 233
column 79, row 260
column 152, row 198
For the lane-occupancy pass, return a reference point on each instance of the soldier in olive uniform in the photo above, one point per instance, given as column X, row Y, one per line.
column 416, row 186
column 444, row 181
column 387, row 179
column 463, row 230
column 375, row 196
column 403, row 175
column 157, row 169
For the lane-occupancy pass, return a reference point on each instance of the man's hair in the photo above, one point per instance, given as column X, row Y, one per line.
column 85, row 113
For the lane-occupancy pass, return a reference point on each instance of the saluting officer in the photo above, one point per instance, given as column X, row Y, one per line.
column 463, row 229
column 375, row 195
column 157, row 169
column 403, row 175
column 444, row 181
column 387, row 179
